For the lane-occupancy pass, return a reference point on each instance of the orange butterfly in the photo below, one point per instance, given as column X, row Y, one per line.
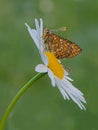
column 61, row 47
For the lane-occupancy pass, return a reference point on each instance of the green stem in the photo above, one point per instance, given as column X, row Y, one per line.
column 17, row 97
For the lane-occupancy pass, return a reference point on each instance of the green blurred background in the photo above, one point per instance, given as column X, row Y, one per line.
column 42, row 106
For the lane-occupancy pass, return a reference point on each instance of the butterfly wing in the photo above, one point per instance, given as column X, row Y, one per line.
column 62, row 48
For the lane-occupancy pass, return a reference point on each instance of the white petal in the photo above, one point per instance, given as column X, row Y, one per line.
column 66, row 73
column 44, row 58
column 68, row 78
column 69, row 91
column 37, row 26
column 41, row 68
column 33, row 33
column 51, row 76
column 75, row 94
column 37, row 37
column 61, row 89
column 41, row 35
column 41, row 27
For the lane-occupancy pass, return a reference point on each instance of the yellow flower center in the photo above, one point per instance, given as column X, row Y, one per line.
column 54, row 65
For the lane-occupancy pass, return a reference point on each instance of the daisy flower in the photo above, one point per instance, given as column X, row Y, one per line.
column 53, row 67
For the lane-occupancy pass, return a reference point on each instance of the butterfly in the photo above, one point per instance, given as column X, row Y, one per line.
column 61, row 47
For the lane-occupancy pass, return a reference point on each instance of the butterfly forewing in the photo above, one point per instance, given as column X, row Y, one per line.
column 61, row 47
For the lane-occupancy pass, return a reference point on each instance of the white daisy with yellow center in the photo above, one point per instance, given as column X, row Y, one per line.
column 51, row 65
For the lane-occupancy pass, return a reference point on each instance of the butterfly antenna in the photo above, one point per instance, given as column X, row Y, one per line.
column 59, row 29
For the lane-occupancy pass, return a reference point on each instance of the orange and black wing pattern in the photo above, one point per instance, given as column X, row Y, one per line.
column 61, row 47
